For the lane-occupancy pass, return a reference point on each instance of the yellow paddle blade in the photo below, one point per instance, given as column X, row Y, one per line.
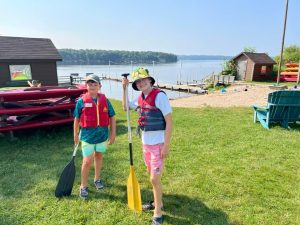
column 133, row 192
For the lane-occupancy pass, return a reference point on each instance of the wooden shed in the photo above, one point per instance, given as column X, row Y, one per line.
column 23, row 59
column 253, row 66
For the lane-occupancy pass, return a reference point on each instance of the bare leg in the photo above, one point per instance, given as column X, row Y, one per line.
column 85, row 168
column 98, row 164
column 157, row 193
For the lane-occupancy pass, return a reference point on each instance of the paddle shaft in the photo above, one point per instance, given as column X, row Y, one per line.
column 75, row 150
column 128, row 120
column 133, row 187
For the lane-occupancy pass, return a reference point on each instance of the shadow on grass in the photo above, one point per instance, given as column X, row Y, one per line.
column 293, row 126
column 37, row 155
column 182, row 209
column 178, row 209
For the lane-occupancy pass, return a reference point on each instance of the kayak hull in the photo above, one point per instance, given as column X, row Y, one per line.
column 37, row 107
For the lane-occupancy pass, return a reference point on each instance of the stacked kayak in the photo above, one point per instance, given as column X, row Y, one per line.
column 290, row 73
column 37, row 107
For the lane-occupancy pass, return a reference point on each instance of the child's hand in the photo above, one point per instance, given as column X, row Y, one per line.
column 111, row 139
column 165, row 151
column 125, row 82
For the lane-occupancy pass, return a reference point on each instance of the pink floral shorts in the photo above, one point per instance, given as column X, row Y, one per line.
column 152, row 158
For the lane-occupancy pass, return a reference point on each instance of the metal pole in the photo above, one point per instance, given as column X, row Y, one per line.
column 180, row 72
column 152, row 67
column 282, row 41
column 109, row 68
column 125, row 75
column 298, row 77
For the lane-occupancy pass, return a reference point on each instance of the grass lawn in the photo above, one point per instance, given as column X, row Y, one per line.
column 223, row 169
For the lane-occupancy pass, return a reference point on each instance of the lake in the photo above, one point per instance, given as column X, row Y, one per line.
column 170, row 73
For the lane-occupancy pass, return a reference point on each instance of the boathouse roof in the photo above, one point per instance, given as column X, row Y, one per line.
column 23, row 48
column 259, row 58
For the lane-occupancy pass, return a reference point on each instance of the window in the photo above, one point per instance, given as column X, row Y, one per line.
column 20, row 72
column 263, row 70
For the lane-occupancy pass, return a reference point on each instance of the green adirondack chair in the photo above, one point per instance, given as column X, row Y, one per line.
column 283, row 107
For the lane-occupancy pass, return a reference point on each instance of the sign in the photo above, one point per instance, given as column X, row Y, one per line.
column 20, row 72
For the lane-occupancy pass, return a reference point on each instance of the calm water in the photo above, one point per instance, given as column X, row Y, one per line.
column 184, row 71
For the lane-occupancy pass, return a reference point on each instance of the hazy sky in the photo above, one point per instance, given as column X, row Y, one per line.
column 175, row 26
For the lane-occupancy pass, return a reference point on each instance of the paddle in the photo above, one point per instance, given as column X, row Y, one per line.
column 66, row 179
column 133, row 187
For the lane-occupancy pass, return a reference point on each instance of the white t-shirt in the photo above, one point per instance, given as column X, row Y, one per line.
column 163, row 104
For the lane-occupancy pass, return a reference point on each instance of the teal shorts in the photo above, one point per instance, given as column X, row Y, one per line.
column 88, row 149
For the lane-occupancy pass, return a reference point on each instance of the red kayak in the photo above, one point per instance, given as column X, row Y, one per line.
column 41, row 93
column 289, row 79
column 37, row 107
column 289, row 73
column 292, row 64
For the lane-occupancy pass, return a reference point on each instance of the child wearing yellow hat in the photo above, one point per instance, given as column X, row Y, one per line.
column 155, row 121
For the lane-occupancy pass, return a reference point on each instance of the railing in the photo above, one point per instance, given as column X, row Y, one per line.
column 222, row 79
column 74, row 78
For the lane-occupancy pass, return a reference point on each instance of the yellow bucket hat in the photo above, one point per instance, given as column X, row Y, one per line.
column 140, row 73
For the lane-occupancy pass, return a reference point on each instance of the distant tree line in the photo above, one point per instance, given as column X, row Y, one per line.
column 104, row 57
column 203, row 57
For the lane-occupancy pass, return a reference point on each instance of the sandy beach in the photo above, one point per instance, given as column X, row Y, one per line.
column 237, row 95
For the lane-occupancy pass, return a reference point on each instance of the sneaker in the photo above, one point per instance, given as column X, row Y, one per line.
column 99, row 184
column 157, row 220
column 84, row 192
column 149, row 206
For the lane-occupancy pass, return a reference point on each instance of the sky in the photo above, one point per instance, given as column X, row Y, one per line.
column 183, row 27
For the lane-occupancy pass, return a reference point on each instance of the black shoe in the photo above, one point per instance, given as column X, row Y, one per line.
column 99, row 184
column 157, row 220
column 84, row 192
column 148, row 206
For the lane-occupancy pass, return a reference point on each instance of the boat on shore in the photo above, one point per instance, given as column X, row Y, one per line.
column 38, row 107
column 291, row 72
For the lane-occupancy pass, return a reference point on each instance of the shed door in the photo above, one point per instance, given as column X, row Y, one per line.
column 241, row 69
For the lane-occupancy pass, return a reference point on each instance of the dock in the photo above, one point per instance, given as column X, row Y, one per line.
column 171, row 87
column 187, row 88
column 182, row 88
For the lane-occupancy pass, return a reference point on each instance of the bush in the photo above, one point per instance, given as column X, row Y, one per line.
column 229, row 67
column 290, row 54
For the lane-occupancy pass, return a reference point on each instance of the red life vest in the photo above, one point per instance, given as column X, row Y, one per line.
column 89, row 117
column 150, row 117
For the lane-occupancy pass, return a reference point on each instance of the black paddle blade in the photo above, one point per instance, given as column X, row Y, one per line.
column 66, row 180
column 125, row 75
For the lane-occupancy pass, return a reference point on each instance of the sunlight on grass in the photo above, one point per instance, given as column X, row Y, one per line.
column 223, row 169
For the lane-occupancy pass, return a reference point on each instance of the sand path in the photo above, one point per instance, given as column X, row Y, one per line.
column 239, row 95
